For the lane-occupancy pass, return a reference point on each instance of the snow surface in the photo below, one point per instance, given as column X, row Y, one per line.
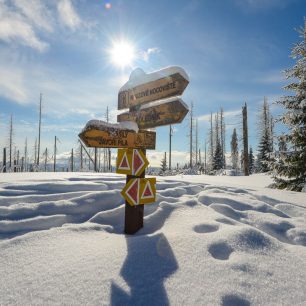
column 102, row 125
column 138, row 76
column 163, row 101
column 207, row 240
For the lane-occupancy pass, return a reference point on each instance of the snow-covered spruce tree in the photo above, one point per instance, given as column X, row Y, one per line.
column 234, row 151
column 265, row 146
column 282, row 145
column 251, row 161
column 290, row 166
column 163, row 164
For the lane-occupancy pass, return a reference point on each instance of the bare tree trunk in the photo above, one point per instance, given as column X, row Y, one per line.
column 170, row 143
column 191, row 131
column 245, row 140
column 39, row 129
column 54, row 160
column 4, row 160
column 11, row 142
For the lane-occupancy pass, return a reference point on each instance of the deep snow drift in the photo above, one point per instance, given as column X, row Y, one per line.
column 206, row 241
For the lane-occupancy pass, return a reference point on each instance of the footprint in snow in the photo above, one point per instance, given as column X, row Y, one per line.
column 220, row 250
column 206, row 228
column 234, row 300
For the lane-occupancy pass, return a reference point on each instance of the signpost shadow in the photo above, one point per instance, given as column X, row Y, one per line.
column 149, row 262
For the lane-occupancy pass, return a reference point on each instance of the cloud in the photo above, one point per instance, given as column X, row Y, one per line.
column 36, row 12
column 273, row 77
column 15, row 27
column 68, row 15
column 22, row 21
column 12, row 84
column 227, row 115
column 263, row 4
column 146, row 54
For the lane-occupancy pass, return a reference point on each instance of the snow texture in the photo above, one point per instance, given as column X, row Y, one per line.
column 102, row 125
column 207, row 240
column 138, row 76
column 163, row 101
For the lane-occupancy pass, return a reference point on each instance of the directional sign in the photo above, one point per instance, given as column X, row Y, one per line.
column 140, row 191
column 118, row 138
column 158, row 113
column 143, row 88
column 131, row 162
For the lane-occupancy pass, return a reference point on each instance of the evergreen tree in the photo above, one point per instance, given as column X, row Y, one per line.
column 234, row 151
column 282, row 145
column 290, row 167
column 265, row 146
column 163, row 165
column 251, row 161
column 218, row 158
column 218, row 155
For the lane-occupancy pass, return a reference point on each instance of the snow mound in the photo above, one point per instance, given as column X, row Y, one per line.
column 62, row 242
column 102, row 125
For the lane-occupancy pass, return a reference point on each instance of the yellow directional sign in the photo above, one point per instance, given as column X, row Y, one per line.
column 158, row 113
column 118, row 138
column 131, row 162
column 143, row 88
column 140, row 191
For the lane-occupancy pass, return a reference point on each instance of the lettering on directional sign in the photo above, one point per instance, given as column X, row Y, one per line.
column 113, row 138
column 143, row 88
column 131, row 162
column 140, row 191
column 163, row 112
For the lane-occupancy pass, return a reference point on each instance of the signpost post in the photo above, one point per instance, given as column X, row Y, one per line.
column 153, row 101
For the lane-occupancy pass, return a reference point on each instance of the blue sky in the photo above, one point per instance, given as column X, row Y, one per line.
column 234, row 52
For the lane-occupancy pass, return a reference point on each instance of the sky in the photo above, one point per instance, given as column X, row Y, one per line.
column 234, row 51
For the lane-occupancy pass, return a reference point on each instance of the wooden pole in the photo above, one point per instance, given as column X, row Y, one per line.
column 133, row 220
column 170, row 140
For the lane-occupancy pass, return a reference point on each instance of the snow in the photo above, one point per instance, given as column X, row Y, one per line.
column 138, row 76
column 208, row 240
column 163, row 101
column 102, row 125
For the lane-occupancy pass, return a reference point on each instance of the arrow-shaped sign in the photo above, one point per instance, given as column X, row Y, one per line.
column 113, row 138
column 140, row 191
column 143, row 88
column 131, row 162
column 158, row 113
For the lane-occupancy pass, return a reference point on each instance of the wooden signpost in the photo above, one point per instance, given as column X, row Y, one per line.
column 144, row 88
column 117, row 138
column 158, row 113
column 143, row 95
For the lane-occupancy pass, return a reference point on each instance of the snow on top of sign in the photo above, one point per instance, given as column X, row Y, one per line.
column 138, row 76
column 164, row 101
column 102, row 125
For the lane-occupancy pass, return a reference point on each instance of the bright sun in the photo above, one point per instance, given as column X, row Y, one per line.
column 122, row 54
